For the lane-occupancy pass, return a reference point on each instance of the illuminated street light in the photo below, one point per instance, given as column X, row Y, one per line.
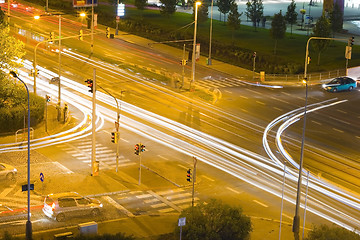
column 197, row 4
column 28, row 223
column 82, row 14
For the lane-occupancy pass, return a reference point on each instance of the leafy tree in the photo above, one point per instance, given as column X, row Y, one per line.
column 291, row 14
column 168, row 7
column 215, row 220
column 234, row 19
column 254, row 11
column 140, row 4
column 336, row 18
column 224, row 6
column 322, row 28
column 278, row 28
column 324, row 232
column 203, row 11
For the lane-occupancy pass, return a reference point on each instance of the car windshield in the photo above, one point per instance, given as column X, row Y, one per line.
column 335, row 81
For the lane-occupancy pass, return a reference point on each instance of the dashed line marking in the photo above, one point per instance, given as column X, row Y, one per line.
column 244, row 97
column 122, row 139
column 206, row 177
column 260, row 102
column 318, row 123
column 163, row 157
column 342, row 111
column 277, row 108
column 260, row 203
column 182, row 166
column 338, row 130
column 233, row 190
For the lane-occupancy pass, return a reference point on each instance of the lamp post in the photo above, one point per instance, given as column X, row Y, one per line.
column 28, row 223
column 211, row 18
column 197, row 4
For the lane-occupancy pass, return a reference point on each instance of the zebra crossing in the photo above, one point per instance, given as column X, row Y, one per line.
column 81, row 150
column 209, row 82
column 14, row 198
column 153, row 202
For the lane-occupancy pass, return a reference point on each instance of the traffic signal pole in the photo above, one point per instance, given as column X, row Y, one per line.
column 93, row 129
column 194, row 179
column 139, row 164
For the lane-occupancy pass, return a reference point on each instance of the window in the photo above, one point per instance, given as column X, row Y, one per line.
column 82, row 201
column 67, row 202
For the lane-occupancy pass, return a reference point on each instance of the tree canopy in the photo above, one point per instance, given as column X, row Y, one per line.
column 224, row 6
column 215, row 220
column 140, row 4
column 336, row 18
column 291, row 14
column 324, row 232
column 322, row 28
column 254, row 11
column 278, row 28
column 168, row 7
column 234, row 20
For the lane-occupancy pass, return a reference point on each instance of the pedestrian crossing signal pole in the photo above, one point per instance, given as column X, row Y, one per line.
column 194, row 180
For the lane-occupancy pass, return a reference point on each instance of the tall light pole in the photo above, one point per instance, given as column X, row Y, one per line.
column 92, row 27
column 59, row 83
column 211, row 18
column 197, row 4
column 8, row 11
column 28, row 222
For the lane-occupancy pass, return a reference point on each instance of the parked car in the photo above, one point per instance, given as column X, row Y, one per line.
column 61, row 206
column 7, row 172
column 54, row 80
column 340, row 84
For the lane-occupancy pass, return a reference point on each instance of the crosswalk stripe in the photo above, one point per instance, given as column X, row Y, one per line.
column 185, row 200
column 159, row 205
column 177, row 196
column 118, row 206
column 170, row 191
column 5, row 192
column 165, row 201
column 166, row 210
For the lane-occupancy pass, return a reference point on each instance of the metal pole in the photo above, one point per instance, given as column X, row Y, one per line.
column 118, row 131
column 93, row 130
column 28, row 231
column 183, row 67
column 92, row 27
column 59, row 85
column 211, row 18
column 194, row 44
column 117, row 21
column 194, row 180
column 282, row 200
column 8, row 12
column 180, row 232
column 139, row 164
column 307, row 187
column 47, row 6
column 46, row 115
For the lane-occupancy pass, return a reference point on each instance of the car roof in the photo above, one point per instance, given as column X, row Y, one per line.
column 64, row 194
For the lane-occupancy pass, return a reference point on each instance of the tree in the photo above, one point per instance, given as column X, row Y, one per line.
column 254, row 11
column 234, row 19
column 278, row 28
column 203, row 11
column 336, row 18
column 291, row 14
column 168, row 7
column 324, row 232
column 224, row 6
column 215, row 220
column 140, row 4
column 322, row 28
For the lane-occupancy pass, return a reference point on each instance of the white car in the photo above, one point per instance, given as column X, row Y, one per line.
column 7, row 172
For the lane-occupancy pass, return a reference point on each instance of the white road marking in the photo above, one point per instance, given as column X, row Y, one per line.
column 163, row 157
column 210, row 179
column 318, row 123
column 260, row 203
column 118, row 206
column 233, row 190
column 182, row 166
column 277, row 108
column 63, row 167
column 5, row 192
column 338, row 130
column 260, row 102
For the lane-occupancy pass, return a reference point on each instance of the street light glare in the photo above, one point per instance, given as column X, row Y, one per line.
column 36, row 17
column 198, row 3
column 82, row 14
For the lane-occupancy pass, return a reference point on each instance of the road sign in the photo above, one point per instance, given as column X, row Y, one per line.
column 182, row 222
column 25, row 187
column 41, row 177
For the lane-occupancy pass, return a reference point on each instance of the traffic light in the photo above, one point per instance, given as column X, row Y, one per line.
column 183, row 62
column 90, row 84
column 351, row 41
column 142, row 148
column 137, row 150
column 188, row 175
column 108, row 32
column 52, row 36
column 114, row 137
column 47, row 98
column 308, row 60
column 81, row 37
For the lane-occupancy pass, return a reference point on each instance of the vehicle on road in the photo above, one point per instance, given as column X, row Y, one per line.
column 54, row 80
column 61, row 206
column 7, row 172
column 340, row 84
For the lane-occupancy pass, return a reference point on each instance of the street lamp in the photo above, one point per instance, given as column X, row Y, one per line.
column 28, row 223
column 197, row 4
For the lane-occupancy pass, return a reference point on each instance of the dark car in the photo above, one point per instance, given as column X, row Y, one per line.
column 340, row 84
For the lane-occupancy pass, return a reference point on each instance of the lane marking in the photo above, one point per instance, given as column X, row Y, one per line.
column 206, row 177
column 233, row 190
column 244, row 97
column 163, row 157
column 287, row 216
column 165, row 201
column 260, row 203
column 342, row 111
column 338, row 130
column 277, row 108
column 318, row 123
column 260, row 102
column 6, row 192
column 63, row 167
column 182, row 166
column 118, row 206
column 122, row 139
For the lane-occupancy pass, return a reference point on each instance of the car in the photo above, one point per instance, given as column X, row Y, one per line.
column 61, row 206
column 7, row 172
column 340, row 84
